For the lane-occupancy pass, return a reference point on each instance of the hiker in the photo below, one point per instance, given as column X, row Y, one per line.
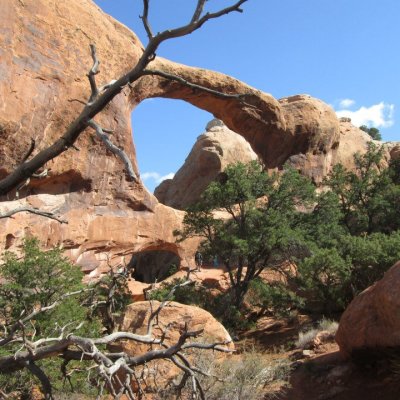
column 198, row 259
column 215, row 262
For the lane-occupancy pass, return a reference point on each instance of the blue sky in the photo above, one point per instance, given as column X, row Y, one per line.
column 344, row 52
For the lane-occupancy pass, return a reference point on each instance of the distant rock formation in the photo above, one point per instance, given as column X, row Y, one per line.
column 372, row 320
column 321, row 140
column 212, row 152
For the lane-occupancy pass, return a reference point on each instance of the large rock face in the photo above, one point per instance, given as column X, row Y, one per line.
column 321, row 142
column 372, row 320
column 212, row 152
column 44, row 59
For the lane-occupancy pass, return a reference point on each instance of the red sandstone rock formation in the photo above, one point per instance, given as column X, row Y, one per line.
column 44, row 58
column 213, row 151
column 174, row 316
column 372, row 320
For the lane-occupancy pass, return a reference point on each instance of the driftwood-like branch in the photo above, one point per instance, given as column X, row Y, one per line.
column 43, row 378
column 10, row 334
column 32, row 210
column 30, row 151
column 198, row 11
column 92, row 74
column 193, row 86
column 145, row 19
column 114, row 149
column 116, row 370
column 67, row 140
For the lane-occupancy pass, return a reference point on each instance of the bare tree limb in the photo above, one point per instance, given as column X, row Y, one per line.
column 198, row 11
column 114, row 149
column 193, row 86
column 44, row 380
column 30, row 150
column 67, row 140
column 8, row 337
column 31, row 210
column 92, row 74
column 145, row 19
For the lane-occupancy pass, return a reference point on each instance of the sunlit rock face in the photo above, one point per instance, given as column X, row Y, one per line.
column 44, row 59
column 172, row 321
column 371, row 323
column 213, row 151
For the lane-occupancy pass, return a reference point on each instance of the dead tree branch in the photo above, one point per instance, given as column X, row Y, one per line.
column 32, row 210
column 198, row 11
column 145, row 19
column 193, row 86
column 100, row 132
column 73, row 347
column 98, row 101
column 92, row 74
column 43, row 378
column 30, row 151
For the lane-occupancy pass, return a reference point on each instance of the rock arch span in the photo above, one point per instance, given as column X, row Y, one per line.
column 42, row 82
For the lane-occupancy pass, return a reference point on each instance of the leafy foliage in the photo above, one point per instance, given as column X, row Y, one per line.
column 368, row 196
column 275, row 298
column 373, row 132
column 259, row 227
column 342, row 239
column 189, row 294
column 353, row 232
column 36, row 280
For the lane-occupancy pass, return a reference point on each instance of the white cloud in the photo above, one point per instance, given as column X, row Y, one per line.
column 345, row 103
column 168, row 176
column 156, row 177
column 379, row 115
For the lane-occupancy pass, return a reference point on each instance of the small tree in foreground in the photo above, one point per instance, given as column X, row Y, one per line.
column 41, row 297
column 260, row 226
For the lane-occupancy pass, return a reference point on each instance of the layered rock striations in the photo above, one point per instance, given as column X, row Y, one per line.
column 44, row 59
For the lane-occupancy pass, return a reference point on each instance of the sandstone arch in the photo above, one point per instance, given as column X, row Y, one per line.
column 42, row 81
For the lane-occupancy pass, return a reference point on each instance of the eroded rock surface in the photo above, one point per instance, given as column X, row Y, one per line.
column 372, row 320
column 44, row 59
column 213, row 151
column 172, row 319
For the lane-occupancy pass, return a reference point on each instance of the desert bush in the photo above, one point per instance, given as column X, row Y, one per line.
column 275, row 298
column 328, row 325
column 192, row 294
column 40, row 279
column 242, row 377
column 306, row 337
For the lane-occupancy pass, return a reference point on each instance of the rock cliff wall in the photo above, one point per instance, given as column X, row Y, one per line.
column 44, row 59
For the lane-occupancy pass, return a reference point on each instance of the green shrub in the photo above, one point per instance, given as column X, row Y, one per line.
column 275, row 297
column 189, row 294
column 241, row 377
column 40, row 279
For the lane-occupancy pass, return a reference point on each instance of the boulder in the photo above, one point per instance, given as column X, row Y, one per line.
column 213, row 151
column 372, row 320
column 174, row 316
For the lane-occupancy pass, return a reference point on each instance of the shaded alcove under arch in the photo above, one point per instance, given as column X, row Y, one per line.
column 164, row 131
column 151, row 265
